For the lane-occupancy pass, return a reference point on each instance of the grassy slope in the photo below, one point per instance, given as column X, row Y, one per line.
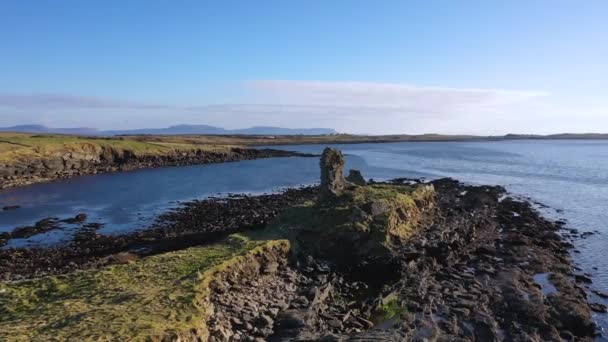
column 22, row 147
column 161, row 294
column 151, row 297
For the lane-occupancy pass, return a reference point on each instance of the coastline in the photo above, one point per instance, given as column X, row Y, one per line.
column 72, row 165
column 28, row 159
column 480, row 240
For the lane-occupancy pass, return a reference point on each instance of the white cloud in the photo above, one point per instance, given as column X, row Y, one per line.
column 386, row 96
column 356, row 107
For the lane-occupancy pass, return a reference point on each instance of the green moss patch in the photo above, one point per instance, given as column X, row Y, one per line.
column 154, row 297
column 366, row 221
column 164, row 295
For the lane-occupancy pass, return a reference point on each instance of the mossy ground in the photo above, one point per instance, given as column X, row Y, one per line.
column 23, row 147
column 404, row 205
column 390, row 310
column 161, row 295
column 153, row 297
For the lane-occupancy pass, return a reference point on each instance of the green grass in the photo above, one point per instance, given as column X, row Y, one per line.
column 153, row 297
column 162, row 295
column 336, row 230
column 390, row 310
column 15, row 147
column 338, row 214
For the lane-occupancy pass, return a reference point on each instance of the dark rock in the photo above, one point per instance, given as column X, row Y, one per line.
column 358, row 215
column 332, row 177
column 11, row 207
column 330, row 338
column 580, row 278
column 597, row 307
column 80, row 218
column 335, row 324
column 293, row 319
column 355, row 177
column 600, row 294
column 486, row 328
column 266, row 321
column 376, row 208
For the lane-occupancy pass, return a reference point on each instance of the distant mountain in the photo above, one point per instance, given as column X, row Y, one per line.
column 179, row 129
column 44, row 129
column 173, row 130
column 267, row 130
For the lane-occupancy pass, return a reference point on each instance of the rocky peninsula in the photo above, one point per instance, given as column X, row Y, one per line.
column 350, row 260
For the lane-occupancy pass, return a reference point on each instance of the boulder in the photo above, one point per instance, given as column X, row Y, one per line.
column 355, row 177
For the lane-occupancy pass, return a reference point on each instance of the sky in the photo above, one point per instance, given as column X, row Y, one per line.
column 371, row 67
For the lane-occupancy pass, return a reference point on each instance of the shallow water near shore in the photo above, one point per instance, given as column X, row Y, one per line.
column 570, row 177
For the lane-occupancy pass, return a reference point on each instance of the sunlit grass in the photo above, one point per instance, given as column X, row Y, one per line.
column 157, row 296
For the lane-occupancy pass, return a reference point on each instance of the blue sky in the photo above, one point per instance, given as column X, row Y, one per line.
column 484, row 67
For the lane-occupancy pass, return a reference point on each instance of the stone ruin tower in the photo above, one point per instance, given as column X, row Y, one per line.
column 332, row 177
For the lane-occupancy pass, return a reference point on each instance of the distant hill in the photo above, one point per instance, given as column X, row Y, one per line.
column 173, row 130
column 44, row 129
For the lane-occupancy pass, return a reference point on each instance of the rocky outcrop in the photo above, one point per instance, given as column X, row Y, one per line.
column 368, row 225
column 355, row 177
column 105, row 159
column 394, row 261
column 468, row 274
column 332, row 173
column 306, row 301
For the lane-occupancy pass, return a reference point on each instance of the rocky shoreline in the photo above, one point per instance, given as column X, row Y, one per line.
column 403, row 260
column 194, row 223
column 107, row 160
column 489, row 268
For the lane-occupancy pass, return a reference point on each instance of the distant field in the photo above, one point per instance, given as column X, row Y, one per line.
column 249, row 140
column 23, row 146
column 296, row 139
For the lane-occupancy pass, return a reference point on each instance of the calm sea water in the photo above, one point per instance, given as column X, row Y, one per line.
column 567, row 175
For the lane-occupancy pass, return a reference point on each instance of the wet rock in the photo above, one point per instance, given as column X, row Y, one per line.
column 80, row 218
column 597, row 307
column 193, row 223
column 581, row 278
column 600, row 294
column 42, row 226
column 10, row 207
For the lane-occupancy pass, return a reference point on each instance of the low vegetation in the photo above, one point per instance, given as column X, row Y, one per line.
column 155, row 297
column 163, row 295
column 365, row 222
column 259, row 140
column 16, row 147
